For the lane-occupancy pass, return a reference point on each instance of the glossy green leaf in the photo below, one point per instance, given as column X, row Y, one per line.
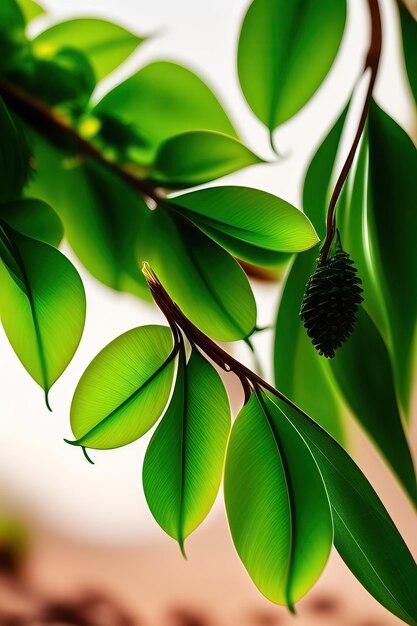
column 102, row 216
column 300, row 372
column 364, row 534
column 14, row 156
column 276, row 503
column 285, row 51
column 197, row 157
column 253, row 225
column 184, row 462
column 361, row 369
column 363, row 372
column 106, row 45
column 409, row 40
column 30, row 9
column 35, row 219
column 144, row 99
column 42, row 305
column 124, row 390
column 206, row 282
column 383, row 196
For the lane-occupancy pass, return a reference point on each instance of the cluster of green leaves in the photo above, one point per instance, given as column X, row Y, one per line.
column 290, row 489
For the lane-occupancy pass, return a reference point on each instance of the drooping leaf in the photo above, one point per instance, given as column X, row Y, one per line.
column 254, row 225
column 364, row 534
column 13, row 43
column 377, row 226
column 300, row 372
column 14, row 156
column 30, row 9
column 184, row 461
column 205, row 281
column 361, row 369
column 42, row 305
column 144, row 99
column 276, row 503
column 35, row 219
column 124, row 390
column 101, row 214
column 196, row 157
column 285, row 51
column 106, row 45
column 409, row 40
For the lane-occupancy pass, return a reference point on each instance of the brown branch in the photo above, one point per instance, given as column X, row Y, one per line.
column 34, row 112
column 372, row 64
column 175, row 317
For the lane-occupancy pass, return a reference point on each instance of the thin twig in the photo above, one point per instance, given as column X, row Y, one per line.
column 372, row 64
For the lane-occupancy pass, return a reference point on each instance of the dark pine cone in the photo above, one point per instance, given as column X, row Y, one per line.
column 330, row 303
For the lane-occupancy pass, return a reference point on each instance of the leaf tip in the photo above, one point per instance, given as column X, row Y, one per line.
column 48, row 406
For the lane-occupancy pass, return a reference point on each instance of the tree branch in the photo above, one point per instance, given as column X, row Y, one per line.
column 371, row 63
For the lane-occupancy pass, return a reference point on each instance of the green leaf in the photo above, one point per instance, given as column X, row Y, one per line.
column 124, row 390
column 34, row 219
column 380, row 239
column 101, row 214
column 144, row 99
column 393, row 183
column 106, row 45
column 364, row 534
column 361, row 369
column 206, row 282
column 42, row 305
column 30, row 9
column 196, row 157
column 64, row 78
column 184, row 461
column 253, row 225
column 276, row 503
column 364, row 375
column 14, row 156
column 300, row 372
column 285, row 51
column 409, row 40
column 13, row 43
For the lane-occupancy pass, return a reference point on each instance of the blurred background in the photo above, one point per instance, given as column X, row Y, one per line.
column 91, row 551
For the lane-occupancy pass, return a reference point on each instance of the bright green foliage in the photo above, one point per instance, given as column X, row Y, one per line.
column 361, row 369
column 145, row 98
column 34, row 219
column 14, row 156
column 184, row 461
column 124, row 390
column 196, row 157
column 364, row 534
column 205, row 281
column 285, row 51
column 276, row 503
column 101, row 215
column 30, row 9
column 252, row 224
column 300, row 372
column 409, row 40
column 106, row 45
column 42, row 305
